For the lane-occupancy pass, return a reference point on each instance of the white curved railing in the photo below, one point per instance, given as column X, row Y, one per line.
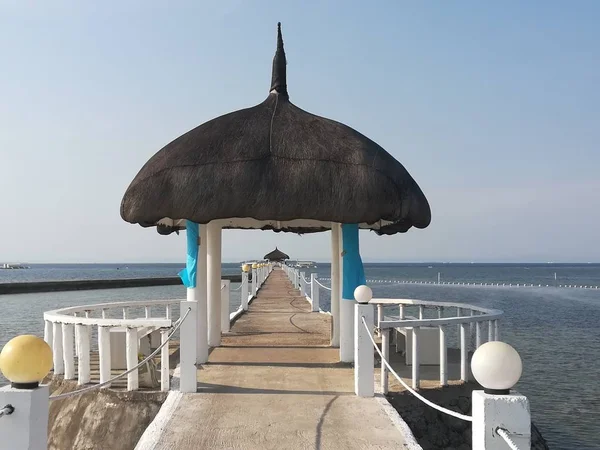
column 413, row 328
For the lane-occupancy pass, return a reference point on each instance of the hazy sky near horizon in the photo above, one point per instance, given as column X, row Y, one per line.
column 493, row 107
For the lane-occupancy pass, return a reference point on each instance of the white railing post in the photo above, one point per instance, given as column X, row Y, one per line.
column 416, row 377
column 496, row 331
column 364, row 359
column 464, row 369
column 314, row 292
column 187, row 358
column 477, row 335
column 490, row 330
column 443, row 351
column 57, row 349
column 83, row 363
column 48, row 332
column 379, row 314
column 245, row 291
column 225, row 296
column 68, row 350
column 302, row 284
column 254, row 281
column 385, row 351
column 164, row 361
column 104, row 353
column 76, row 338
column 131, row 346
column 27, row 427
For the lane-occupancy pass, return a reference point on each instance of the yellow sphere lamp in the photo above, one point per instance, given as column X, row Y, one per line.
column 245, row 268
column 255, row 266
column 25, row 360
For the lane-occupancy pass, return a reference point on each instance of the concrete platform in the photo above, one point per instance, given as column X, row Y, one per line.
column 275, row 383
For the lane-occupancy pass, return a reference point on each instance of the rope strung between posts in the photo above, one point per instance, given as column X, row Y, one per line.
column 408, row 388
column 150, row 356
column 238, row 288
column 7, row 410
column 324, row 287
column 506, row 436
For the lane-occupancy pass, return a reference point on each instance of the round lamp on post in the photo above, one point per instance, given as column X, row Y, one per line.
column 497, row 367
column 25, row 361
column 245, row 268
column 363, row 294
column 254, row 266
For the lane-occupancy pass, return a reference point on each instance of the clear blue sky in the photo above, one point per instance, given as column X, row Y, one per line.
column 493, row 107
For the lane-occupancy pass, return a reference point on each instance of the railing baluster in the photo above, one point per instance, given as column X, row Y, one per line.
column 125, row 310
column 421, row 312
column 57, row 339
column 84, row 354
column 68, row 351
column 416, row 382
column 131, row 346
column 477, row 335
column 147, row 312
column 385, row 350
column 379, row 315
column 490, row 330
column 104, row 313
column 496, row 331
column 168, row 312
column 48, row 333
column 458, row 314
column 464, row 376
column 104, row 353
column 443, row 357
column 164, row 362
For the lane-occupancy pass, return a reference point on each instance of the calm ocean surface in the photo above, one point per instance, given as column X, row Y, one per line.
column 556, row 331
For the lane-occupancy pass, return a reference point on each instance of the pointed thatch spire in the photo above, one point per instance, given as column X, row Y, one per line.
column 278, row 80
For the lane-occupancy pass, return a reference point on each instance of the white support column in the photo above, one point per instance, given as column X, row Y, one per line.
column 364, row 370
column 104, row 353
column 245, row 291
column 496, row 331
column 464, row 355
column 57, row 349
column 187, row 352
column 490, row 330
column 48, row 333
column 416, row 377
column 201, row 298
column 214, row 283
column 421, row 312
column 477, row 335
column 335, row 284
column 131, row 347
column 314, row 292
column 379, row 314
column 76, row 338
column 164, row 362
column 458, row 314
column 385, row 350
column 27, row 427
column 225, row 296
column 302, row 284
column 68, row 350
column 83, row 368
column 510, row 412
column 254, row 282
column 400, row 317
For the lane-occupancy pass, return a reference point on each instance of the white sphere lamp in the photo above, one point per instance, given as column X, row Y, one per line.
column 497, row 367
column 363, row 294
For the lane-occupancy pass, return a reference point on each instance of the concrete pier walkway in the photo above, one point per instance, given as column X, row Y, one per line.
column 275, row 383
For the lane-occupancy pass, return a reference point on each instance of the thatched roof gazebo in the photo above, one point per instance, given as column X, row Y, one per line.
column 276, row 167
column 276, row 255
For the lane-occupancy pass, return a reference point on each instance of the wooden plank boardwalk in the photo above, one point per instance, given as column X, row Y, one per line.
column 275, row 383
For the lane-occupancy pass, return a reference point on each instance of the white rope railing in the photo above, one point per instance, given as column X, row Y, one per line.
column 237, row 288
column 504, row 434
column 407, row 387
column 149, row 357
column 323, row 286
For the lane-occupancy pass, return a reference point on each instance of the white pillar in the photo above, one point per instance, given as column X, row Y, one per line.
column 225, row 296
column 57, row 349
column 48, row 333
column 335, row 284
column 187, row 351
column 201, row 297
column 416, row 376
column 347, row 330
column 164, row 362
column 27, row 427
column 83, row 363
column 464, row 352
column 131, row 348
column 302, row 284
column 490, row 412
column 214, row 283
column 314, row 292
column 443, row 357
column 104, row 353
column 364, row 370
column 245, row 291
column 68, row 350
column 254, row 282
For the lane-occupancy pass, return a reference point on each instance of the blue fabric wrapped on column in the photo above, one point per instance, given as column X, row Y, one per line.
column 353, row 270
column 189, row 274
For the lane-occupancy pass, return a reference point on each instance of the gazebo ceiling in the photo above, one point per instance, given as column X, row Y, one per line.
column 275, row 166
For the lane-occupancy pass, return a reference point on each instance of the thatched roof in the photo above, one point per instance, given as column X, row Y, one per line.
column 276, row 255
column 275, row 166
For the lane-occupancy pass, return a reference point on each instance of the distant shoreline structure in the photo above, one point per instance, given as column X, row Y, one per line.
column 13, row 266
